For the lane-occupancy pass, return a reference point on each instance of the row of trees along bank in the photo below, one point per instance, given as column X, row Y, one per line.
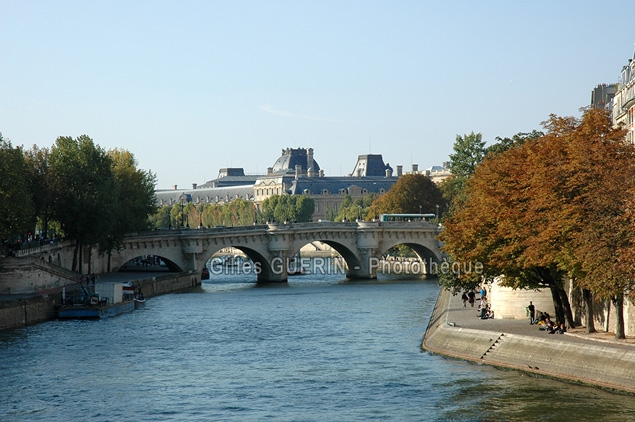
column 239, row 212
column 544, row 207
column 74, row 190
column 412, row 194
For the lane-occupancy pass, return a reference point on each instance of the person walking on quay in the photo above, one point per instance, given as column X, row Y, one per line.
column 471, row 297
column 532, row 312
column 464, row 299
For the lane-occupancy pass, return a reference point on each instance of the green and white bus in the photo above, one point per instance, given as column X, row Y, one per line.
column 406, row 217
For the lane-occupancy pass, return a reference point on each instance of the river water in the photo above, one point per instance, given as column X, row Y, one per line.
column 317, row 349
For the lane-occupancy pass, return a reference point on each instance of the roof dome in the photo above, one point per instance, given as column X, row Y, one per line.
column 296, row 156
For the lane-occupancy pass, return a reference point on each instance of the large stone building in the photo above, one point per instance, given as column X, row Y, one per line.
column 295, row 172
column 602, row 96
column 624, row 100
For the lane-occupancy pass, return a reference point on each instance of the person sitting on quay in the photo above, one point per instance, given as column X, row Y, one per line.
column 483, row 307
column 488, row 313
column 540, row 320
column 558, row 328
column 547, row 325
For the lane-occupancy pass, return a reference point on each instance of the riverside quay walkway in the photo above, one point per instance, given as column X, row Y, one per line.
column 594, row 359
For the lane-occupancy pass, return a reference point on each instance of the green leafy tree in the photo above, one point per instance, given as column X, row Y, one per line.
column 177, row 217
column 238, row 212
column 330, row 213
column 85, row 191
column 469, row 151
column 161, row 217
column 16, row 206
column 359, row 208
column 39, row 179
column 289, row 208
column 135, row 200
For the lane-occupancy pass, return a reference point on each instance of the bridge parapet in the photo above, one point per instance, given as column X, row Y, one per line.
column 359, row 243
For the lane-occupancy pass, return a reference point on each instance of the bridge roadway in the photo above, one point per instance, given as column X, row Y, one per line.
column 269, row 246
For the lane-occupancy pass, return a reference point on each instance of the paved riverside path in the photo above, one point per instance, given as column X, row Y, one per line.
column 597, row 359
column 468, row 318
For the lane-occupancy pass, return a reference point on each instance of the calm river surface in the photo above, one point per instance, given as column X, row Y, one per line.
column 318, row 349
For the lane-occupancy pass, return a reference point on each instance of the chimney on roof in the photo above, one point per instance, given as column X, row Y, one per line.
column 321, row 173
column 269, row 170
column 399, row 171
column 174, row 187
column 388, row 172
column 194, row 185
column 309, row 159
column 415, row 168
column 298, row 171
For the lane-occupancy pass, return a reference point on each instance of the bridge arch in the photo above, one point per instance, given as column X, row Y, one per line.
column 427, row 258
column 188, row 250
column 255, row 252
column 171, row 257
column 171, row 266
column 348, row 255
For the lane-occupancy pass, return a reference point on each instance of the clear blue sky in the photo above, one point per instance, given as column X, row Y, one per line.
column 193, row 86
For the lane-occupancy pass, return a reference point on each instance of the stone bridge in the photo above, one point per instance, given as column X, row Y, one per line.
column 270, row 247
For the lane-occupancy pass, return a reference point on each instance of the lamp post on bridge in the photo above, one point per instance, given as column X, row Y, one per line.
column 183, row 203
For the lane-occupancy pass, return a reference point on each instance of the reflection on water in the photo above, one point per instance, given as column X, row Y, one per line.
column 316, row 349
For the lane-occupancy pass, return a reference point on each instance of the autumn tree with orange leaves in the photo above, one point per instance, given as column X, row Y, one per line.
column 411, row 194
column 556, row 206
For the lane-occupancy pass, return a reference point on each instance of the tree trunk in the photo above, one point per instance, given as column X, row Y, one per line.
column 90, row 254
column 618, row 303
column 557, row 303
column 590, row 317
column 79, row 256
column 75, row 254
column 566, row 307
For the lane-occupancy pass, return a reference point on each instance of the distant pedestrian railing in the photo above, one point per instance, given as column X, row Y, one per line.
column 26, row 251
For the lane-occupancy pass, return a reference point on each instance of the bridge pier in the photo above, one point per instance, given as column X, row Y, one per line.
column 367, row 267
column 274, row 271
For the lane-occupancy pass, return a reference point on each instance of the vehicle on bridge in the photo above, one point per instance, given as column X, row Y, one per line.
column 406, row 217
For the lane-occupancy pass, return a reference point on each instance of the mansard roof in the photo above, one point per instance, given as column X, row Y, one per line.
column 338, row 185
column 295, row 156
column 207, row 195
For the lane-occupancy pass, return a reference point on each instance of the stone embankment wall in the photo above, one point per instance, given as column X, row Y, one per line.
column 599, row 365
column 26, row 311
column 30, row 275
column 508, row 303
column 22, row 312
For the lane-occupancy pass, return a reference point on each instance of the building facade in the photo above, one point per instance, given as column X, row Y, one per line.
column 624, row 100
column 295, row 172
column 602, row 96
